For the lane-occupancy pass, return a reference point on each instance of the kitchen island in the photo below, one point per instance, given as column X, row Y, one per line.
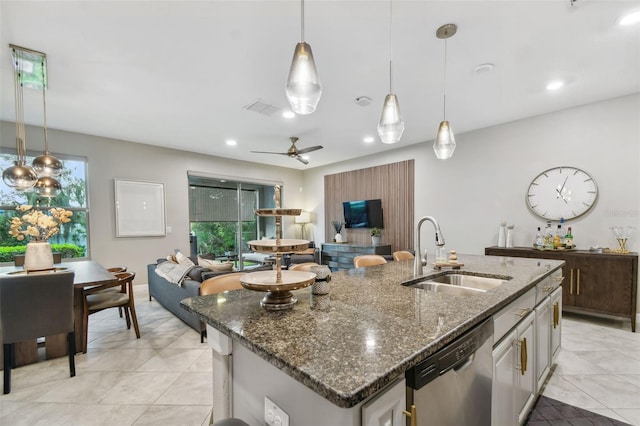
column 345, row 347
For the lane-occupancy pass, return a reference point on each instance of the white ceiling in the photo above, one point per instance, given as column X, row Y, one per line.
column 178, row 73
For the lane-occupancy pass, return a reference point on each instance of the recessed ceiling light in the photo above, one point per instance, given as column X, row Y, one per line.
column 555, row 85
column 630, row 19
column 231, row 142
column 288, row 114
column 368, row 139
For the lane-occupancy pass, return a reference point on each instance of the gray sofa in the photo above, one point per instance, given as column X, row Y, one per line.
column 169, row 294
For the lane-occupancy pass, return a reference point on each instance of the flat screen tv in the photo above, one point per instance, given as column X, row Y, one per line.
column 363, row 214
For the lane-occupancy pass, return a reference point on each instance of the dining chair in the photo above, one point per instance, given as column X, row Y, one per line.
column 218, row 284
column 368, row 260
column 403, row 255
column 96, row 300
column 33, row 306
column 122, row 289
column 306, row 266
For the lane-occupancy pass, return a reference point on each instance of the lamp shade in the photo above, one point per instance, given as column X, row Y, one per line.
column 303, row 217
column 47, row 186
column 391, row 126
column 19, row 177
column 47, row 165
column 303, row 86
column 445, row 142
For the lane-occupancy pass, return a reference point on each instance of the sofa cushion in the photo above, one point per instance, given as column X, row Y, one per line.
column 184, row 260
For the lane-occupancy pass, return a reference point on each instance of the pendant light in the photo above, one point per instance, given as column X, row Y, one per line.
column 20, row 176
column 303, row 86
column 46, row 165
column 390, row 126
column 445, row 142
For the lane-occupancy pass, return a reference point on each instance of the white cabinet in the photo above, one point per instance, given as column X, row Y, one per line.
column 514, row 378
column 386, row 409
column 555, row 306
column 525, row 394
column 543, row 341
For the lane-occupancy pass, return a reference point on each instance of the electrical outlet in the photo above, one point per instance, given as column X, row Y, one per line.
column 274, row 415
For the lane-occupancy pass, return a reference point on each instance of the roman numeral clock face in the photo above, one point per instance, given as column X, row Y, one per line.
column 562, row 192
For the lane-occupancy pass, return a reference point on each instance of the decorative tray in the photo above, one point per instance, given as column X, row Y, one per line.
column 45, row 271
column 278, row 285
column 278, row 212
column 271, row 246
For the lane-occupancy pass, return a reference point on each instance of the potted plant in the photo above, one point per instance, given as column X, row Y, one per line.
column 337, row 225
column 375, row 236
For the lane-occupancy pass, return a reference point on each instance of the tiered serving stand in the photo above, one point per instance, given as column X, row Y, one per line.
column 277, row 283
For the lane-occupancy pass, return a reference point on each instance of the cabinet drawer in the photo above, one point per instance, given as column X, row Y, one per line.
column 511, row 314
column 547, row 286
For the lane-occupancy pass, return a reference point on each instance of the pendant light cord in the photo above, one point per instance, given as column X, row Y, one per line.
column 302, row 21
column 444, row 103
column 44, row 107
column 390, row 46
column 20, row 132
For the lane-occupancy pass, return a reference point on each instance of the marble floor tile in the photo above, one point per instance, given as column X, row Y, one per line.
column 172, row 360
column 558, row 388
column 85, row 388
column 612, row 361
column 191, row 388
column 170, row 415
column 630, row 415
column 611, row 391
column 139, row 388
column 203, row 363
column 117, row 359
column 571, row 363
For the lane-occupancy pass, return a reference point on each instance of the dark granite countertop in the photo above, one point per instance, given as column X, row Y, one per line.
column 370, row 329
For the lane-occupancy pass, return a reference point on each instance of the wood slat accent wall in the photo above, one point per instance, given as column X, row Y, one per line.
column 392, row 183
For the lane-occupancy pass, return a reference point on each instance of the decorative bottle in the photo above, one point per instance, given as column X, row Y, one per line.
column 510, row 235
column 548, row 236
column 568, row 239
column 539, row 243
column 502, row 234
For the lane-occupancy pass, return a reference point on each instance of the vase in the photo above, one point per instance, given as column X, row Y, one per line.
column 338, row 238
column 38, row 256
column 375, row 240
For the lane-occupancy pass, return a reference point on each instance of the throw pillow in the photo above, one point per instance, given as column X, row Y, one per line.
column 215, row 265
column 183, row 260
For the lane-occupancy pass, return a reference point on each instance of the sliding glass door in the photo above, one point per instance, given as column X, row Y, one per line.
column 222, row 218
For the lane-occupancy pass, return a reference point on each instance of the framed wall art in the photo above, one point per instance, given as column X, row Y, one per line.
column 139, row 208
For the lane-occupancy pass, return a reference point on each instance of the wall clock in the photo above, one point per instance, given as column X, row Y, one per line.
column 562, row 192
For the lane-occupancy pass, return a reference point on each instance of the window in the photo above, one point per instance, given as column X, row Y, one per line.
column 222, row 217
column 72, row 240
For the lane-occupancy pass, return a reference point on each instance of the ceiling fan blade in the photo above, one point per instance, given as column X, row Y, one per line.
column 310, row 149
column 302, row 160
column 269, row 152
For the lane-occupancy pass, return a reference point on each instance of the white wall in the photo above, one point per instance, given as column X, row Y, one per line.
column 486, row 180
column 111, row 158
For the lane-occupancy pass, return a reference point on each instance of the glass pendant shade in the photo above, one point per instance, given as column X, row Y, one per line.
column 303, row 86
column 19, row 177
column 390, row 126
column 445, row 142
column 47, row 186
column 47, row 165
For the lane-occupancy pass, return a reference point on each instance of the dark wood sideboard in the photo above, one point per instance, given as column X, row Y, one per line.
column 594, row 283
column 340, row 256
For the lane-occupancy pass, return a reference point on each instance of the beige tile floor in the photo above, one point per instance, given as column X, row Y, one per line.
column 164, row 378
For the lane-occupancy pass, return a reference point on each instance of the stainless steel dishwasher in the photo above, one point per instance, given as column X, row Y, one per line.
column 453, row 386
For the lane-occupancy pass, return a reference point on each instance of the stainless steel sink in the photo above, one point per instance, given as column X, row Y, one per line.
column 447, row 288
column 457, row 284
column 470, row 281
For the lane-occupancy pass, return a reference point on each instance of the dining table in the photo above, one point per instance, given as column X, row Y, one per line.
column 87, row 274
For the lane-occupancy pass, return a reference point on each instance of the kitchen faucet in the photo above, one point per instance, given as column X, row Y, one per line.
column 420, row 261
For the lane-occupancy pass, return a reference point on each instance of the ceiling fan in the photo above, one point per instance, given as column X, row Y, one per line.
column 293, row 151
